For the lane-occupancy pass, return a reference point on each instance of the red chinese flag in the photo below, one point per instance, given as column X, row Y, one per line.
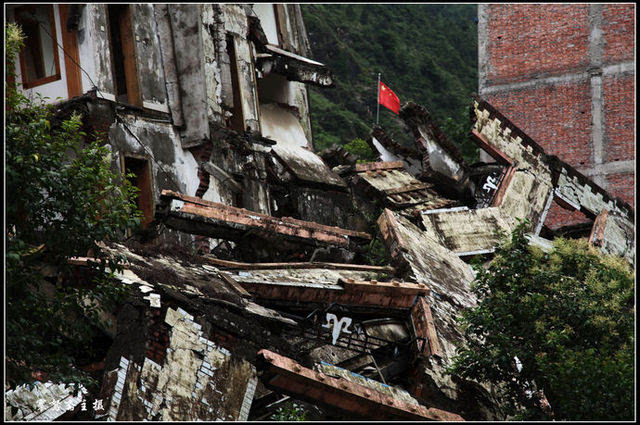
column 388, row 98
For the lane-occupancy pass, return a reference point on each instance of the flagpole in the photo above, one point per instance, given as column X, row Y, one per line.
column 378, row 103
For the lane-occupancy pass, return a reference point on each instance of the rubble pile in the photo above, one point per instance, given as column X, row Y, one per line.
column 253, row 283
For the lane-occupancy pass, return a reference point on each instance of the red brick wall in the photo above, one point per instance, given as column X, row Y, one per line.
column 526, row 43
column 618, row 92
column 622, row 185
column 539, row 110
column 527, row 40
column 618, row 27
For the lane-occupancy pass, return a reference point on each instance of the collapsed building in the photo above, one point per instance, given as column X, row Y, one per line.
column 251, row 284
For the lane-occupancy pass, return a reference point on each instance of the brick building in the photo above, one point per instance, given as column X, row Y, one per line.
column 565, row 74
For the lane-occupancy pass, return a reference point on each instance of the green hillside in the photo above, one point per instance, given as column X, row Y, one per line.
column 426, row 53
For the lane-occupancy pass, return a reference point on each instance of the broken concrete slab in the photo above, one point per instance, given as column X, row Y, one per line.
column 421, row 256
column 294, row 67
column 39, row 401
column 286, row 375
column 467, row 231
column 390, row 150
column 398, row 189
column 293, row 148
column 437, row 151
column 195, row 215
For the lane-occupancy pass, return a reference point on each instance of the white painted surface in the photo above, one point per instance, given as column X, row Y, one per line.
column 183, row 170
column 55, row 90
column 282, row 126
column 413, row 166
column 266, row 13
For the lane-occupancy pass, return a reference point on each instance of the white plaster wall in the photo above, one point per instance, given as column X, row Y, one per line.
column 86, row 33
column 267, row 17
column 183, row 169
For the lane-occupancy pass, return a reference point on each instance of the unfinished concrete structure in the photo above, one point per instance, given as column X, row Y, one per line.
column 565, row 74
column 207, row 106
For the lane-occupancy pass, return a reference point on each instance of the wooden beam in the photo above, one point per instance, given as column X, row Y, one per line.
column 298, row 265
column 71, row 54
column 134, row 95
column 235, row 285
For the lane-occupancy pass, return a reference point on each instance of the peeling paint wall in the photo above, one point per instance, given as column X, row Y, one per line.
column 188, row 47
column 98, row 27
column 172, row 166
column 149, row 66
column 212, row 71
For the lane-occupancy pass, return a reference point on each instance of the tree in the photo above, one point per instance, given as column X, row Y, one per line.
column 62, row 201
column 568, row 317
column 361, row 150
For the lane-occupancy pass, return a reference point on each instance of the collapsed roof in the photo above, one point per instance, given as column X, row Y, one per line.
column 222, row 335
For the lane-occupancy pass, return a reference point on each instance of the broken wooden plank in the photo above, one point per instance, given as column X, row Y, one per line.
column 424, row 327
column 235, row 285
column 297, row 265
column 360, row 294
column 376, row 166
column 391, row 288
column 408, row 188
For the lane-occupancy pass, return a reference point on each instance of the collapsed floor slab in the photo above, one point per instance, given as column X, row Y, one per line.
column 194, row 215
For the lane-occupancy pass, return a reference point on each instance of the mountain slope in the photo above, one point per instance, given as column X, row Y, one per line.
column 426, row 53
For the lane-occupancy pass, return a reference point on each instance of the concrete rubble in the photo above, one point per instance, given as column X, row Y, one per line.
column 252, row 281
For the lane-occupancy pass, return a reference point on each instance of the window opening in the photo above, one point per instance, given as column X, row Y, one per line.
column 39, row 62
column 122, row 44
column 237, row 119
column 142, row 180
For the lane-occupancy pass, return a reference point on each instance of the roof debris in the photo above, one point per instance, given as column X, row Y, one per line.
column 250, row 304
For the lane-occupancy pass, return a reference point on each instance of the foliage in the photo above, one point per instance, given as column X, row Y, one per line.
column 425, row 52
column 568, row 316
column 362, row 150
column 290, row 412
column 62, row 200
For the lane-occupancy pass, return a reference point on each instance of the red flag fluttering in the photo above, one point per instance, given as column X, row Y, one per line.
column 388, row 98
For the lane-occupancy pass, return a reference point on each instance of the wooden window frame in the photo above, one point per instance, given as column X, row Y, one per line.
column 130, row 57
column 281, row 27
column 23, row 66
column 72, row 55
column 123, row 166
column 237, row 121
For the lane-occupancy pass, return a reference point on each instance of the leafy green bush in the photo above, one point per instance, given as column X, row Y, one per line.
column 568, row 316
column 362, row 150
column 62, row 200
column 290, row 412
